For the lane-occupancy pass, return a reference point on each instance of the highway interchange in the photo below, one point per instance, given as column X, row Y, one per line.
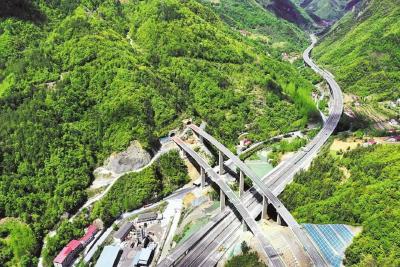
column 202, row 249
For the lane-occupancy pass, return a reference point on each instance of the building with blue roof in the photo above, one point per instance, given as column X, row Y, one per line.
column 109, row 257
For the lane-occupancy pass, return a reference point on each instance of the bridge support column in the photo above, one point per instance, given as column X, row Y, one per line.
column 221, row 163
column 279, row 219
column 241, row 183
column 183, row 154
column 264, row 214
column 222, row 199
column 203, row 177
column 244, row 226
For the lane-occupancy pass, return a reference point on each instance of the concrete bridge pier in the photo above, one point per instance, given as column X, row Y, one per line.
column 241, row 183
column 222, row 200
column 279, row 219
column 264, row 214
column 221, row 163
column 182, row 153
column 203, row 177
column 244, row 226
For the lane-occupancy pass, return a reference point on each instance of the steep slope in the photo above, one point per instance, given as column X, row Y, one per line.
column 326, row 10
column 361, row 188
column 95, row 75
column 287, row 10
column 363, row 51
column 254, row 21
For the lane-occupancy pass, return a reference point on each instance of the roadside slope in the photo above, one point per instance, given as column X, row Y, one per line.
column 363, row 52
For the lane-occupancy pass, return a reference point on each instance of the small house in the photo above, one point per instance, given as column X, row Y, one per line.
column 68, row 254
column 123, row 232
column 89, row 235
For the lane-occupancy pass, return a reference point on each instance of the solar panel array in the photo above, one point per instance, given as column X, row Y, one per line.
column 331, row 239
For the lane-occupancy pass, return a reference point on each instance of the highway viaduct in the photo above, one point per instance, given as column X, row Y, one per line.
column 225, row 191
column 201, row 249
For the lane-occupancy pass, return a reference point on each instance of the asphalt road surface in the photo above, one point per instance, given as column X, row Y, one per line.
column 201, row 250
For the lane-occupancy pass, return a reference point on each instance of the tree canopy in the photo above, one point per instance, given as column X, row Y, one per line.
column 360, row 188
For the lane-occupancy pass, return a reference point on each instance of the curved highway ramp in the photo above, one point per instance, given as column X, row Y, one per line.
column 202, row 249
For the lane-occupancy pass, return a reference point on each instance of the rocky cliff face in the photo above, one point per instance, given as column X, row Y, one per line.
column 133, row 158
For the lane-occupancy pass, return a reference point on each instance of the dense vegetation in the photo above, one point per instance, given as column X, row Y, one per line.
column 359, row 188
column 17, row 243
column 283, row 147
column 246, row 259
column 66, row 231
column 324, row 9
column 287, row 10
column 363, row 51
column 136, row 189
column 94, row 75
column 130, row 192
column 251, row 19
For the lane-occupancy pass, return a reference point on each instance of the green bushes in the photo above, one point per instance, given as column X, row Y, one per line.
column 17, row 243
column 246, row 259
column 66, row 232
column 134, row 190
column 285, row 146
column 99, row 74
column 130, row 192
column 363, row 51
column 367, row 197
column 277, row 35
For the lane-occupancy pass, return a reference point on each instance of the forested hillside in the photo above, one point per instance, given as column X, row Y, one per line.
column 130, row 192
column 250, row 17
column 363, row 51
column 81, row 79
column 289, row 11
column 359, row 188
column 327, row 10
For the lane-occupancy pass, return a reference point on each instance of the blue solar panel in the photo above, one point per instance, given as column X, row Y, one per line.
column 325, row 248
column 332, row 240
column 343, row 231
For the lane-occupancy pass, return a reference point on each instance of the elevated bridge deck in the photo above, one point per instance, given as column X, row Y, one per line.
column 204, row 253
column 271, row 254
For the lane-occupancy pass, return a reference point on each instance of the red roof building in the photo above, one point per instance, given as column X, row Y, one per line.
column 91, row 231
column 67, row 254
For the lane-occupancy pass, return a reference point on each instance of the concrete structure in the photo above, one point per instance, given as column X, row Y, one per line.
column 123, row 232
column 201, row 248
column 225, row 191
column 145, row 255
column 146, row 217
column 68, row 254
column 283, row 215
column 109, row 257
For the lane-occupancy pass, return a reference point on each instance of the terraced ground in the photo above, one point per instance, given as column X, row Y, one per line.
column 377, row 116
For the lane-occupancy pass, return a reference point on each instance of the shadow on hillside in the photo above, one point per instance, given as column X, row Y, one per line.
column 21, row 9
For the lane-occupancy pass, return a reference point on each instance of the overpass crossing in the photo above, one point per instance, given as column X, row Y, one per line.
column 204, row 250
column 268, row 196
column 271, row 254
